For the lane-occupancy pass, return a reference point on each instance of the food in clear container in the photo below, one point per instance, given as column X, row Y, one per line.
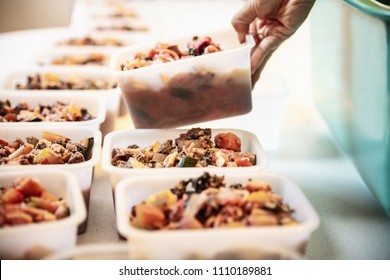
column 184, row 85
column 51, row 149
column 164, row 52
column 51, row 81
column 212, row 204
column 55, row 112
column 195, row 148
column 27, row 201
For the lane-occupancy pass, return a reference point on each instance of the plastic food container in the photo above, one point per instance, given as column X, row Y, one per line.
column 266, row 118
column 96, row 40
column 83, row 171
column 99, row 251
column 207, row 243
column 122, row 251
column 74, row 57
column 144, row 137
column 120, row 25
column 33, row 241
column 83, row 10
column 351, row 84
column 111, row 96
column 94, row 104
column 190, row 90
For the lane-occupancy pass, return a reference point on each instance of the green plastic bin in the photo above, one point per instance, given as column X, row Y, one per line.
column 351, row 83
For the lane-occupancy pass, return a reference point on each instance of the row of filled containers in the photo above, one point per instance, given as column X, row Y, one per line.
column 226, row 181
column 54, row 111
column 179, row 193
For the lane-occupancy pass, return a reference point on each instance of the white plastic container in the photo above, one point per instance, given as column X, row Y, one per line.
column 94, row 251
column 52, row 56
column 266, row 118
column 121, row 26
column 94, row 104
column 144, row 137
column 121, row 40
column 184, row 244
column 111, row 96
column 35, row 240
column 187, row 91
column 122, row 251
column 83, row 171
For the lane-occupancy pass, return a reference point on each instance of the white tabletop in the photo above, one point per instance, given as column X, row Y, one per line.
column 353, row 225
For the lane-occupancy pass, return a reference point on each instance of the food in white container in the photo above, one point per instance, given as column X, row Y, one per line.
column 208, row 242
column 152, row 140
column 35, row 240
column 67, row 80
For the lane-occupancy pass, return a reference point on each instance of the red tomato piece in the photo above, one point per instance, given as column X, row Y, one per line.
column 228, row 141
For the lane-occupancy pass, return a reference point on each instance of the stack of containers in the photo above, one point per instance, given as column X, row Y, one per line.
column 71, row 71
column 85, row 48
column 21, row 121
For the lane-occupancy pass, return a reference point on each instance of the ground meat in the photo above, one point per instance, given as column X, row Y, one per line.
column 166, row 147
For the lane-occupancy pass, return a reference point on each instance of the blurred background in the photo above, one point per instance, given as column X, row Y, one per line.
column 28, row 14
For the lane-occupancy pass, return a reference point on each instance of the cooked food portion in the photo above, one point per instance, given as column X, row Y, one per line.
column 50, row 81
column 90, row 59
column 124, row 27
column 27, row 201
column 164, row 52
column 195, row 148
column 51, row 149
column 212, row 204
column 90, row 41
column 56, row 112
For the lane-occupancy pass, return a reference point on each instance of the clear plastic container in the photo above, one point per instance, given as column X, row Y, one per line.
column 266, row 118
column 209, row 243
column 34, row 241
column 111, row 96
column 187, row 91
column 144, row 137
column 94, row 104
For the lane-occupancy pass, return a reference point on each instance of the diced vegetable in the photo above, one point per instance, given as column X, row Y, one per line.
column 88, row 144
column 47, row 156
column 228, row 141
column 52, row 136
column 187, row 162
column 30, row 187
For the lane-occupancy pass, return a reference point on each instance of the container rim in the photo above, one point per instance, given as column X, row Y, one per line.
column 114, row 62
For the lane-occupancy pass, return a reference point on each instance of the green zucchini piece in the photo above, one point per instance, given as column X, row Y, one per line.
column 187, row 162
column 89, row 145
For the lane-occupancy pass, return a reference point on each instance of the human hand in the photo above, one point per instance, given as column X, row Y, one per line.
column 270, row 22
